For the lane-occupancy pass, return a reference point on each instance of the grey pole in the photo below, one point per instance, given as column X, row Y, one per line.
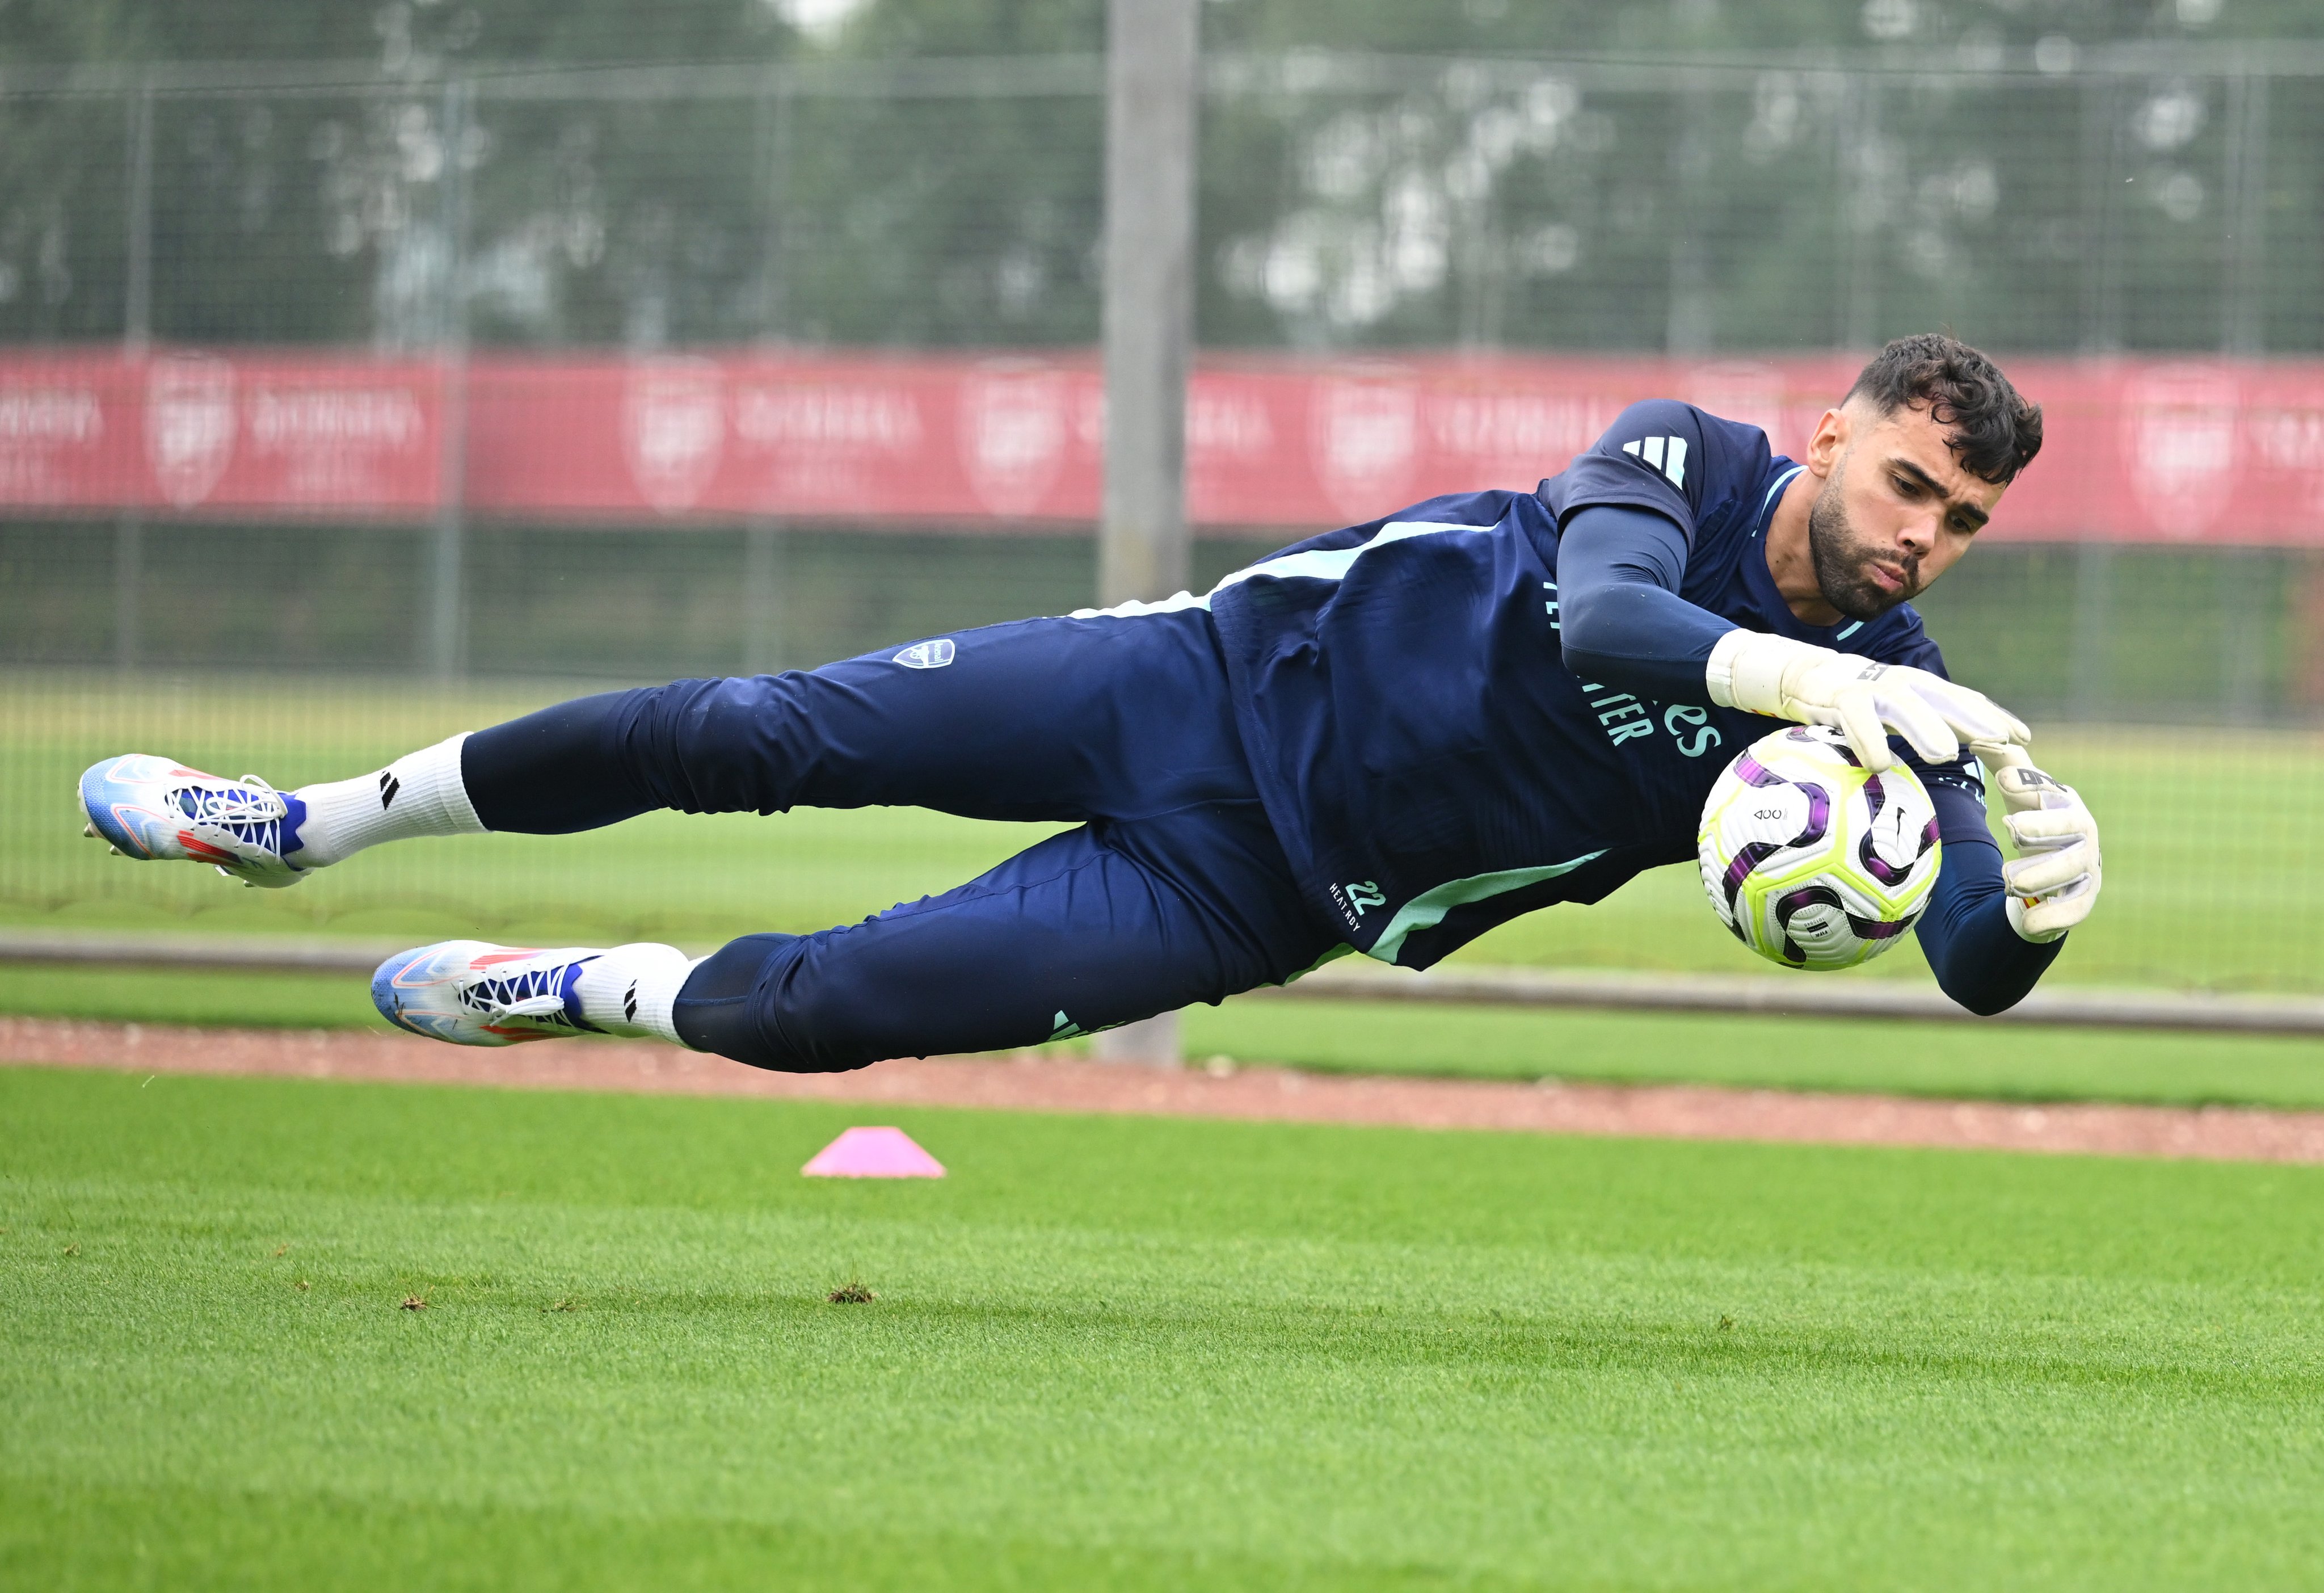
column 446, row 620
column 2252, row 582
column 1688, row 323
column 136, row 336
column 2091, row 689
column 2243, row 321
column 765, row 552
column 1150, row 310
column 137, row 307
column 766, row 549
column 1856, row 192
column 1151, row 60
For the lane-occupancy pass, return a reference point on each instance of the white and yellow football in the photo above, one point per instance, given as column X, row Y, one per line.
column 1811, row 861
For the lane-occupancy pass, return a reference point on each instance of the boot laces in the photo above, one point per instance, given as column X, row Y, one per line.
column 535, row 993
column 251, row 811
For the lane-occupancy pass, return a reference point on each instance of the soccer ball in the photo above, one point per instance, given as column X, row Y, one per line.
column 1810, row 861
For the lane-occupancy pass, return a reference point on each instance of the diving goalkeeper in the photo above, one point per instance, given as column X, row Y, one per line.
column 1387, row 739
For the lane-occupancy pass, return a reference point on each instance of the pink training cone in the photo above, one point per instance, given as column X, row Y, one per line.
column 873, row 1152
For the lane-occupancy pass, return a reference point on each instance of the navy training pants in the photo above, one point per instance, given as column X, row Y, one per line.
column 1174, row 889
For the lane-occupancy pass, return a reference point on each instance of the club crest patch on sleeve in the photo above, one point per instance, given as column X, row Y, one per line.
column 926, row 655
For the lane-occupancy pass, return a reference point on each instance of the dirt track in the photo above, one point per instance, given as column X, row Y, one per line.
column 1046, row 1084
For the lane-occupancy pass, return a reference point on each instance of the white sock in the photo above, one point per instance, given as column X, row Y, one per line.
column 633, row 990
column 418, row 794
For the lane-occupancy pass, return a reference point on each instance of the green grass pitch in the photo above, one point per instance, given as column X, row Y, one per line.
column 1128, row 1354
column 1950, row 1060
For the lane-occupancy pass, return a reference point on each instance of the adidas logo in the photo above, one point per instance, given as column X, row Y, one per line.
column 630, row 1004
column 1666, row 454
column 388, row 786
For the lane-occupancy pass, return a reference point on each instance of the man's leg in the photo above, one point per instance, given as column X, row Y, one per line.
column 1056, row 719
column 1038, row 719
column 1099, row 926
column 1176, row 891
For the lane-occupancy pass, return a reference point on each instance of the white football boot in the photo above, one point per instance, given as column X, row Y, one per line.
column 150, row 807
column 475, row 992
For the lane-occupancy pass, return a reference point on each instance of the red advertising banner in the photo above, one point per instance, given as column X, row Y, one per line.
column 270, row 435
column 2203, row 451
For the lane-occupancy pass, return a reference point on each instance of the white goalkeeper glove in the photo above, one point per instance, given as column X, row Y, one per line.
column 2053, row 882
column 1863, row 701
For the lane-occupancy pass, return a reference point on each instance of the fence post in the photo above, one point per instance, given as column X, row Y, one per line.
column 447, row 626
column 2303, row 687
column 2250, row 597
column 773, row 118
column 766, row 549
column 128, row 586
column 1689, row 309
column 2102, row 201
column 1151, row 62
column 764, row 555
column 2090, row 685
column 1149, row 226
column 2242, row 321
column 136, row 336
column 2090, row 693
column 1855, row 190
column 137, row 306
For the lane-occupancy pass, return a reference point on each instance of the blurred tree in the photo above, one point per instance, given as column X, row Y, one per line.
column 1465, row 187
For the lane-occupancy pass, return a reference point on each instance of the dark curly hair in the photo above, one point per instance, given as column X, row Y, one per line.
column 1996, row 434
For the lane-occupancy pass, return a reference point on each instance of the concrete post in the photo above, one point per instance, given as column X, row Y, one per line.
column 444, row 635
column 1149, row 236
column 764, row 554
column 137, row 293
column 136, row 338
column 1151, row 61
column 2243, row 317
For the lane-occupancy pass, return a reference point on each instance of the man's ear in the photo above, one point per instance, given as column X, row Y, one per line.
column 1830, row 441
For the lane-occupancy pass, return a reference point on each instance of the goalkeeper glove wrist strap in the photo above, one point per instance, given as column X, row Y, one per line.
column 2017, row 910
column 1747, row 671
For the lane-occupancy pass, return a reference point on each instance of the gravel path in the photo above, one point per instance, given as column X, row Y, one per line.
column 1049, row 1084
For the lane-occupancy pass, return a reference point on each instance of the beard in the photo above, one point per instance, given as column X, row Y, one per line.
column 1843, row 565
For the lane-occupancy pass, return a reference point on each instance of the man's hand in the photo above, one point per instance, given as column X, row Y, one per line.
column 1863, row 701
column 2053, row 882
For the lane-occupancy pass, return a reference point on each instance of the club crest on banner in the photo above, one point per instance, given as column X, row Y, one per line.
column 2178, row 426
column 673, row 430
column 1013, row 433
column 1365, row 439
column 190, row 424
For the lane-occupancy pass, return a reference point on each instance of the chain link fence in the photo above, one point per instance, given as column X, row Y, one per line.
column 2149, row 209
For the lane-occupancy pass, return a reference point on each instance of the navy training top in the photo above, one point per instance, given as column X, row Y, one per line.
column 1432, row 767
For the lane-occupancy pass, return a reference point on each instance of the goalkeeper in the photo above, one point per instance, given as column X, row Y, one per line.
column 1387, row 739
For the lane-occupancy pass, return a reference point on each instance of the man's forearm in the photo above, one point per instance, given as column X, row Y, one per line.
column 1978, row 959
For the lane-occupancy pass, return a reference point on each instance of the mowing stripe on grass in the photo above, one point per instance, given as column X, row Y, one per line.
column 1129, row 1353
column 1052, row 1083
column 1946, row 1062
